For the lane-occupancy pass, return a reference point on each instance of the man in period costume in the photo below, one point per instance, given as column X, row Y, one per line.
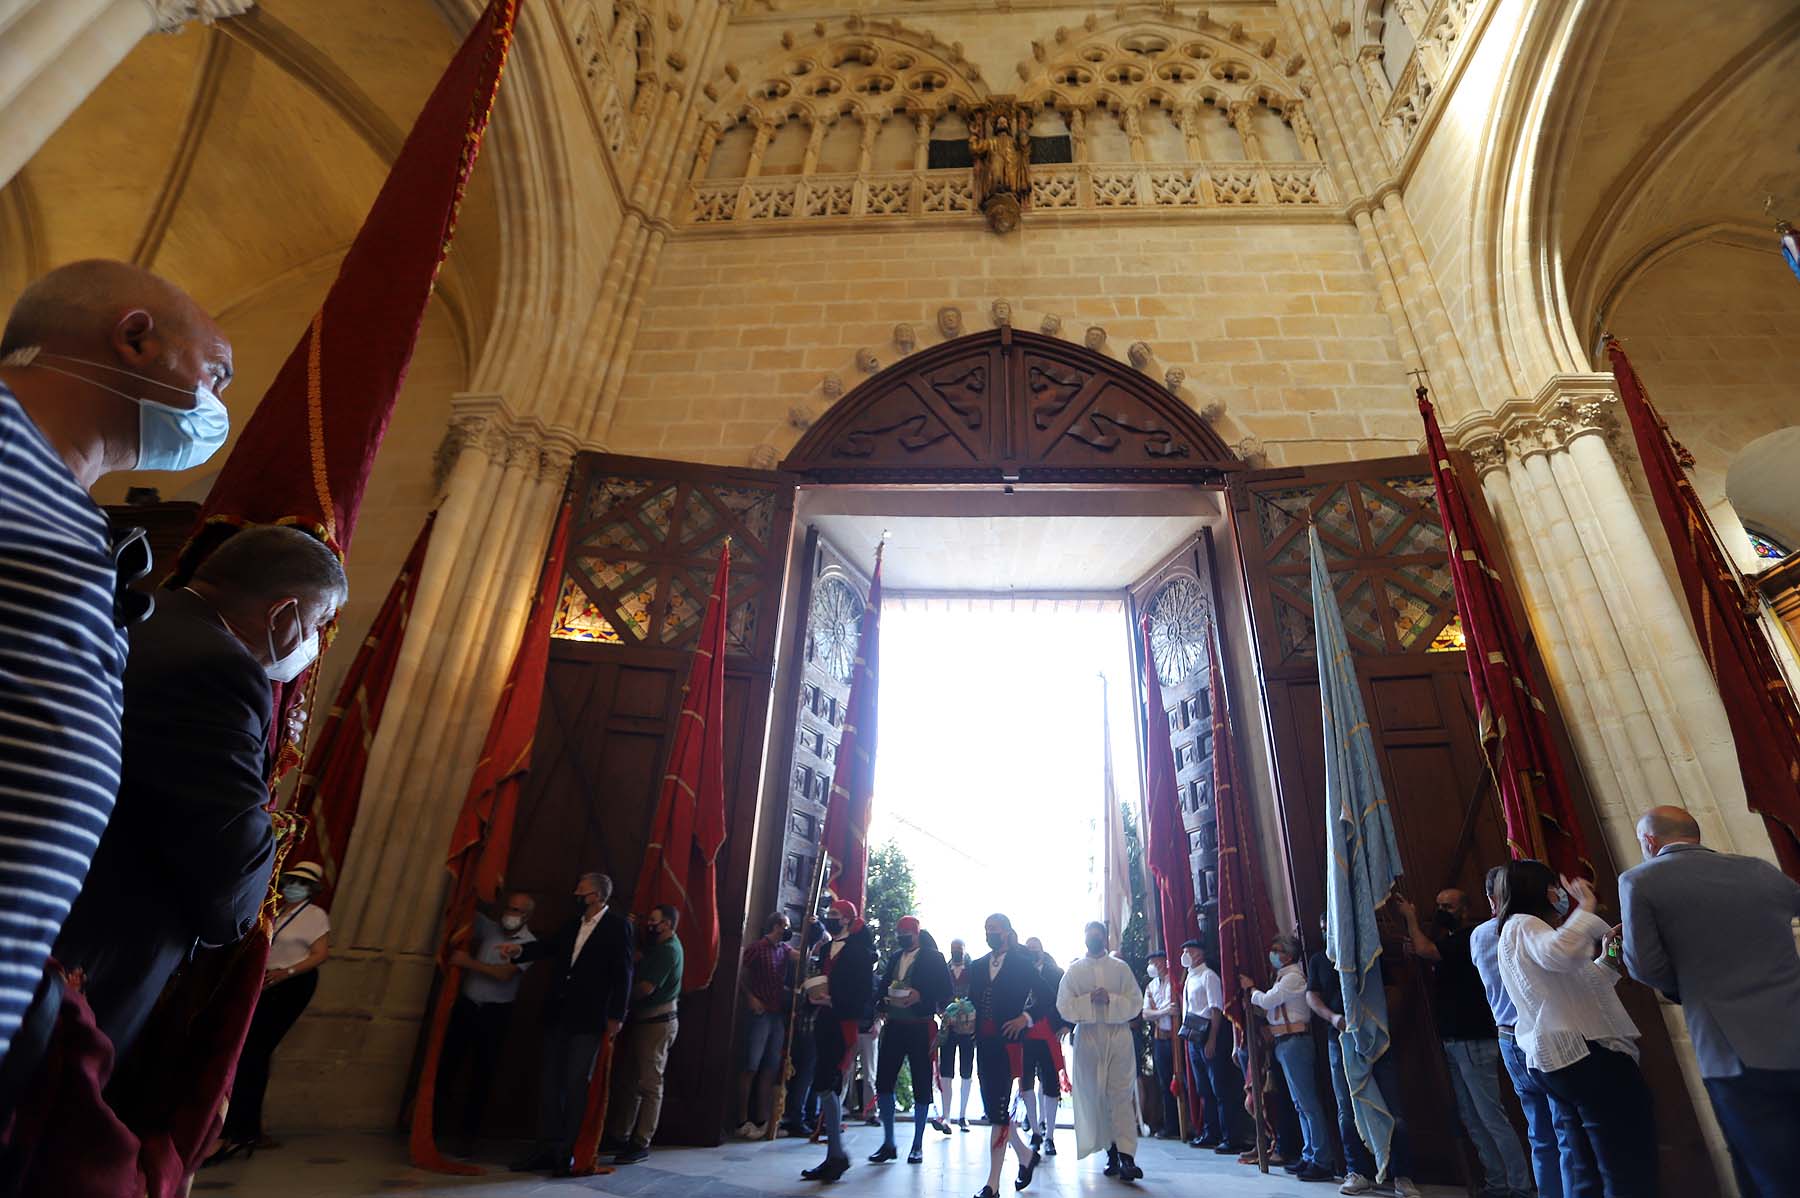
column 914, row 986
column 839, row 992
column 1005, row 981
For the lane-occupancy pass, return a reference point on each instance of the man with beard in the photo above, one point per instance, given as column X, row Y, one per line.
column 958, row 1038
column 914, row 986
column 1039, row 1088
column 1005, row 981
column 840, row 993
column 1100, row 997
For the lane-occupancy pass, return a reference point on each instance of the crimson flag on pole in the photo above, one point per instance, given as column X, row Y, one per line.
column 1165, row 836
column 1515, row 728
column 330, row 790
column 481, row 843
column 853, row 783
column 1764, row 720
column 1246, row 922
column 689, row 826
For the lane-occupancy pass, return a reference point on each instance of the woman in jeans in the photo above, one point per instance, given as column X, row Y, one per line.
column 1578, row 1042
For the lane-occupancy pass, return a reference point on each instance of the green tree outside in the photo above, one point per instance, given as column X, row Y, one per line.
column 891, row 894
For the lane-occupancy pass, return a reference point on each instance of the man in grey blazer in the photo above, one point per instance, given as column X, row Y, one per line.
column 1713, row 932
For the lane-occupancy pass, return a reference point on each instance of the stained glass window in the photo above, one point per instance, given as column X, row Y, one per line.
column 1767, row 548
column 1449, row 638
column 577, row 619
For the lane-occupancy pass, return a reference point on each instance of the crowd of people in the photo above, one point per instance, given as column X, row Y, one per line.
column 1527, row 994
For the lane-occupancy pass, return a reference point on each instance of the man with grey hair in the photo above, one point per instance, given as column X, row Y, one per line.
column 189, row 849
column 589, row 990
column 103, row 367
column 1714, row 932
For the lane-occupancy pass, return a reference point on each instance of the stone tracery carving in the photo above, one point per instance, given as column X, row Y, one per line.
column 168, row 16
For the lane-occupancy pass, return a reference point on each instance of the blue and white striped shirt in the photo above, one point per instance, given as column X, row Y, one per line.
column 62, row 663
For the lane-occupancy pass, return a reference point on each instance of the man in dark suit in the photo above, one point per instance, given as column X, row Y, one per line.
column 1002, row 984
column 187, row 855
column 592, row 957
column 1714, row 932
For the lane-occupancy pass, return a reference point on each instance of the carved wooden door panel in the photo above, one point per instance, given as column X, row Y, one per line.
column 826, row 653
column 1177, row 597
column 642, row 550
column 1007, row 405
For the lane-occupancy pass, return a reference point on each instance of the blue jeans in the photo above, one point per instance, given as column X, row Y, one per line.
column 1561, row 1160
column 1208, row 1124
column 1298, row 1063
column 1475, row 1076
column 1608, row 1092
column 1386, row 1077
column 1759, row 1111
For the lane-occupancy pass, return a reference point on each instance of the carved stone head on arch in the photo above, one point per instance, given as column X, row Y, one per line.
column 949, row 321
column 1095, row 338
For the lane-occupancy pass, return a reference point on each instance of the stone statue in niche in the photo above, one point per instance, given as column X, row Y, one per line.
column 1000, row 144
column 950, row 322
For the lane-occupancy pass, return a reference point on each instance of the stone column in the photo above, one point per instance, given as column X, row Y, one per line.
column 1645, row 713
column 1134, row 132
column 1242, row 114
column 922, row 141
column 1303, row 129
column 1190, row 133
column 54, row 53
column 709, row 142
column 809, row 162
column 765, row 132
column 1375, row 80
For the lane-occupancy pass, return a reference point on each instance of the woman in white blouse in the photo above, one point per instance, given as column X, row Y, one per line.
column 1578, row 1041
column 300, row 945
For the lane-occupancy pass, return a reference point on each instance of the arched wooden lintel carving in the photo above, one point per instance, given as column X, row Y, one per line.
column 1008, row 406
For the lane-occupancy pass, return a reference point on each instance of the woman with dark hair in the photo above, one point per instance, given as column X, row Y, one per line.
column 1577, row 1040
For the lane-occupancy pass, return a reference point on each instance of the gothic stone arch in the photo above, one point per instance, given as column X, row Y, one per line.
column 1009, row 406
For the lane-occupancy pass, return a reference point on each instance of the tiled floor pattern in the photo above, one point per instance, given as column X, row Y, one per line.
column 367, row 1166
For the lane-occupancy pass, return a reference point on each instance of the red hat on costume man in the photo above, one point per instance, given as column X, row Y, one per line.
column 844, row 909
column 908, row 923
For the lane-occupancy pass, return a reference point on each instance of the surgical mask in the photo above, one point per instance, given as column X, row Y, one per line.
column 286, row 667
column 512, row 923
column 1096, row 945
column 908, row 941
column 1155, row 970
column 834, row 926
column 996, row 941
column 169, row 438
column 787, row 934
column 1559, row 899
column 1274, row 959
column 295, row 892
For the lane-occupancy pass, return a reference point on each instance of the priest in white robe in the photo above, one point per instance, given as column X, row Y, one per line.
column 1100, row 996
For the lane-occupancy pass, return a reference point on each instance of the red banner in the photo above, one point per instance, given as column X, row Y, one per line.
column 853, row 782
column 1764, row 720
column 1246, row 922
column 1515, row 729
column 330, row 790
column 1165, row 836
column 689, row 827
column 481, row 844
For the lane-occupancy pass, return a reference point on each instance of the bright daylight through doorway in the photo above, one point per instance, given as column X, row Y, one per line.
column 990, row 776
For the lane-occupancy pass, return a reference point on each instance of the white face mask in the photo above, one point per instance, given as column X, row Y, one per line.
column 295, row 892
column 169, row 438
column 512, row 923
column 290, row 666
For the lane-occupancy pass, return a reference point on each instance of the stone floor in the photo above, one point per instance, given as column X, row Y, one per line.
column 355, row 1166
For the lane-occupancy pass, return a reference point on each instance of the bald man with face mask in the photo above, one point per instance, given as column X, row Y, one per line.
column 103, row 367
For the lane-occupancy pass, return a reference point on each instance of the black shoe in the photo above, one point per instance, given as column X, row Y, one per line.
column 632, row 1155
column 1049, row 1145
column 1037, row 1140
column 1312, row 1172
column 872, row 1121
column 614, row 1144
column 1112, row 1163
column 915, row 1157
column 537, row 1162
column 883, row 1154
column 829, row 1169
column 940, row 1125
column 1026, row 1170
column 1295, row 1167
column 1231, row 1149
column 1128, row 1168
column 962, row 1124
column 987, row 1192
column 1205, row 1142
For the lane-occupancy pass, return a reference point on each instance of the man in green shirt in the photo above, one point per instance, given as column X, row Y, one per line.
column 643, row 1052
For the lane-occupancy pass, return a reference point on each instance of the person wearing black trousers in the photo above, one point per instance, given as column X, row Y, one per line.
column 839, row 992
column 1039, row 1087
column 913, row 988
column 800, row 1115
column 1003, row 982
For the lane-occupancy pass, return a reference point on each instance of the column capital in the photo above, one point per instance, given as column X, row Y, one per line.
column 168, row 16
column 1567, row 406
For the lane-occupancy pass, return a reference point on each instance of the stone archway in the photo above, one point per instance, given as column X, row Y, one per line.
column 1009, row 406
